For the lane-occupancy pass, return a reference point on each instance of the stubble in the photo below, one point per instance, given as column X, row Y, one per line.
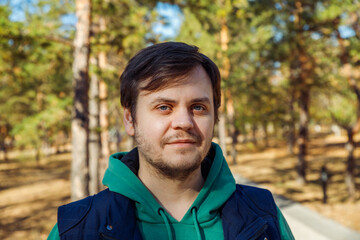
column 163, row 166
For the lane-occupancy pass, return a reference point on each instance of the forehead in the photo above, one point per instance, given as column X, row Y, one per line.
column 197, row 78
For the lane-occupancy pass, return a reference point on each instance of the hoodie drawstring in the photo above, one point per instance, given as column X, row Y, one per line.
column 167, row 224
column 196, row 223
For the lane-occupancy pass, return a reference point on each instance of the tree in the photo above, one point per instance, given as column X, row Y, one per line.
column 302, row 32
column 35, row 76
column 94, row 144
column 213, row 22
column 79, row 122
column 112, row 43
column 349, row 59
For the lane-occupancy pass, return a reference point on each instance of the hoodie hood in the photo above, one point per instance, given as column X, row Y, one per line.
column 121, row 177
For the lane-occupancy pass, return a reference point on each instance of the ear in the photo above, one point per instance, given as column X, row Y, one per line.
column 128, row 123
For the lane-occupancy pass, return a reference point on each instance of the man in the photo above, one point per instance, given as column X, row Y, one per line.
column 176, row 184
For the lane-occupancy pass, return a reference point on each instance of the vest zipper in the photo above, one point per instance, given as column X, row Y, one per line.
column 103, row 236
column 258, row 233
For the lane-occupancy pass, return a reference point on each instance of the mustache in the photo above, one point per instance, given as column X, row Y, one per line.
column 181, row 135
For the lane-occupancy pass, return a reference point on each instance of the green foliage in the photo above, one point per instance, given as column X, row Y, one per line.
column 35, row 68
column 192, row 32
column 34, row 129
column 270, row 48
column 342, row 109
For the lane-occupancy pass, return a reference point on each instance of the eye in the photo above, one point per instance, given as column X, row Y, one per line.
column 163, row 108
column 198, row 108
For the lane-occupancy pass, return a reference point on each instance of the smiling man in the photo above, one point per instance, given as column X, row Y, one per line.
column 176, row 183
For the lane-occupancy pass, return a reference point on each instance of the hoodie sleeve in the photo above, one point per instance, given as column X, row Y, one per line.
column 285, row 231
column 54, row 234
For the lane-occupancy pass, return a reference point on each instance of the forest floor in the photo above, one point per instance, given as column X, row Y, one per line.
column 30, row 192
column 275, row 169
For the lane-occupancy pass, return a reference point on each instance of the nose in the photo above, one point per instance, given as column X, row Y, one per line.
column 182, row 119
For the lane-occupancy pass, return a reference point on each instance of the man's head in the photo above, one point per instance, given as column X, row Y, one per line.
column 171, row 94
column 163, row 65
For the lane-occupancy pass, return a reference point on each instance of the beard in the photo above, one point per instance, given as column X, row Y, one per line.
column 163, row 166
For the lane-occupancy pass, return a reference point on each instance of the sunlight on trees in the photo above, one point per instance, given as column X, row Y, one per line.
column 286, row 66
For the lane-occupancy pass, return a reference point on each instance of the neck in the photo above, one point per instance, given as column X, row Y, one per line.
column 176, row 196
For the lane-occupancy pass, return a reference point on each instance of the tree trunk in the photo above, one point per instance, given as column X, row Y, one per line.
column 94, row 132
column 104, row 121
column 224, row 70
column 235, row 135
column 304, row 65
column 291, row 138
column 291, row 125
column 253, row 132
column 351, row 145
column 104, row 125
column 3, row 147
column 79, row 123
column 351, row 131
column 303, row 135
column 231, row 127
column 222, row 132
column 350, row 169
column 266, row 134
column 37, row 156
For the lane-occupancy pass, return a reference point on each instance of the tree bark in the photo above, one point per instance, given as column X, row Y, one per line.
column 79, row 123
column 232, row 128
column 224, row 70
column 103, row 118
column 303, row 80
column 235, row 135
column 266, row 133
column 351, row 131
column 254, row 128
column 94, row 132
column 4, row 149
column 303, row 135
column 351, row 166
column 3, row 136
column 104, row 125
column 291, row 124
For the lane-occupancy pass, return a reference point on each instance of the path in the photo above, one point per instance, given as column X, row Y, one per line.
column 307, row 224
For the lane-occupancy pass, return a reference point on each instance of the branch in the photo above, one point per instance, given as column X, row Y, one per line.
column 353, row 85
column 356, row 127
column 338, row 122
column 59, row 40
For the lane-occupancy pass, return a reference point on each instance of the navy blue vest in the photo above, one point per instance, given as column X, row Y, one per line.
column 250, row 213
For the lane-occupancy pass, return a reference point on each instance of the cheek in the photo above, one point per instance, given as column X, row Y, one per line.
column 154, row 129
column 206, row 127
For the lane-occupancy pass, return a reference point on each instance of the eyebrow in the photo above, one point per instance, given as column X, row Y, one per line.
column 204, row 99
column 162, row 100
column 169, row 100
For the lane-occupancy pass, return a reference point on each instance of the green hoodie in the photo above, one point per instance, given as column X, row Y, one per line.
column 201, row 221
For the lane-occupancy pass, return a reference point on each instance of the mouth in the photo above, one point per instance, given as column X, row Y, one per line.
column 182, row 142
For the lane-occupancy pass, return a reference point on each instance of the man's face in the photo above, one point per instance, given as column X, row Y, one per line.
column 174, row 126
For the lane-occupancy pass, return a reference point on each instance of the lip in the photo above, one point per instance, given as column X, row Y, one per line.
column 181, row 143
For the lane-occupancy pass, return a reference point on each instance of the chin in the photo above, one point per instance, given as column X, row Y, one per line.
column 186, row 161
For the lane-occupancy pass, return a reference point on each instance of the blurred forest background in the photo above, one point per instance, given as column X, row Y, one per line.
column 291, row 96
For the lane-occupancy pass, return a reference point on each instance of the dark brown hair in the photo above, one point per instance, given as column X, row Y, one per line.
column 162, row 65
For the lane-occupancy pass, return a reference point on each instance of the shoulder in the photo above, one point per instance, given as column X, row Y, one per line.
column 250, row 209
column 251, row 200
column 261, row 198
column 72, row 214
